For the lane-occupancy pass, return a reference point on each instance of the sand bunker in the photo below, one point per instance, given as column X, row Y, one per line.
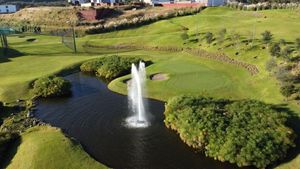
column 159, row 76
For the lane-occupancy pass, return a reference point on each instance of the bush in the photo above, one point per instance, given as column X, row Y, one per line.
column 284, row 75
column 221, row 35
column 298, row 43
column 275, row 50
column 109, row 67
column 286, row 52
column 271, row 64
column 6, row 139
column 1, row 107
column 267, row 36
column 209, row 37
column 91, row 66
column 245, row 132
column 51, row 87
column 287, row 90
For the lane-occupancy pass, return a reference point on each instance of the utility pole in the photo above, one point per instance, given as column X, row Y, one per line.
column 74, row 39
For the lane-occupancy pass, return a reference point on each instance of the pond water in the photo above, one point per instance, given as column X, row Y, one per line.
column 94, row 116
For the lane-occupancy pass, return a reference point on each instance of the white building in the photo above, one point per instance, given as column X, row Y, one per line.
column 204, row 2
column 213, row 2
column 8, row 8
column 87, row 3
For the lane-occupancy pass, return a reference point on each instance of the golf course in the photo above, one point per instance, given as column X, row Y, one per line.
column 229, row 66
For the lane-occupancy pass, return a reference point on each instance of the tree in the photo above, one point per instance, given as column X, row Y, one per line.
column 282, row 42
column 271, row 64
column 209, row 37
column 221, row 35
column 298, row 43
column 235, row 37
column 1, row 107
column 267, row 36
column 286, row 52
column 245, row 132
column 287, row 90
column 275, row 50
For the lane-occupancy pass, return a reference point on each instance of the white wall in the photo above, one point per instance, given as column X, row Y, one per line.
column 8, row 8
column 215, row 2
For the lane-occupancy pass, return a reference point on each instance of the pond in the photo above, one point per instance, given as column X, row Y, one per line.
column 94, row 116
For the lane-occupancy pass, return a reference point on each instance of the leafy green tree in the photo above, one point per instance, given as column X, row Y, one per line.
column 275, row 50
column 271, row 64
column 245, row 132
column 109, row 67
column 282, row 42
column 1, row 107
column 267, row 36
column 298, row 43
column 284, row 75
column 209, row 37
column 286, row 52
column 51, row 87
column 184, row 36
column 287, row 90
column 235, row 37
column 221, row 35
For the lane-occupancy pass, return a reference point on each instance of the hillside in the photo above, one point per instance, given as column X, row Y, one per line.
column 35, row 2
column 47, row 147
column 42, row 16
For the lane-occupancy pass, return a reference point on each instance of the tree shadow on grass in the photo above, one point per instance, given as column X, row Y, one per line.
column 294, row 123
column 6, row 54
column 10, row 151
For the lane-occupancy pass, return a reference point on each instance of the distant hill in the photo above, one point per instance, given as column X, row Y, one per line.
column 35, row 2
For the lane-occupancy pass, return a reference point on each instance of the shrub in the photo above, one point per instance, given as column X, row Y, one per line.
column 246, row 132
column 91, row 66
column 184, row 36
column 271, row 64
column 109, row 67
column 221, row 35
column 282, row 42
column 267, row 37
column 287, row 90
column 284, row 75
column 298, row 43
column 6, row 138
column 115, row 66
column 275, row 50
column 209, row 37
column 51, row 87
column 1, row 107
column 286, row 52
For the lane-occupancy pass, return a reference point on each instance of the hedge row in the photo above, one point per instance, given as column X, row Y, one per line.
column 109, row 67
column 51, row 87
column 142, row 20
column 262, row 6
column 252, row 69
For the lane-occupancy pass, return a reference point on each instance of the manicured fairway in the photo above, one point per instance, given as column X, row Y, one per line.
column 193, row 75
column 45, row 56
column 47, row 147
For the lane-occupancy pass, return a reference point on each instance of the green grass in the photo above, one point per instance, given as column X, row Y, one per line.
column 188, row 73
column 47, row 147
column 43, row 57
column 193, row 75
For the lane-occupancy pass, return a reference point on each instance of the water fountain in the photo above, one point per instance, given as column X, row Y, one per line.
column 136, row 91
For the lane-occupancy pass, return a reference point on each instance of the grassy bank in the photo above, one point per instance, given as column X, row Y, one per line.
column 47, row 147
